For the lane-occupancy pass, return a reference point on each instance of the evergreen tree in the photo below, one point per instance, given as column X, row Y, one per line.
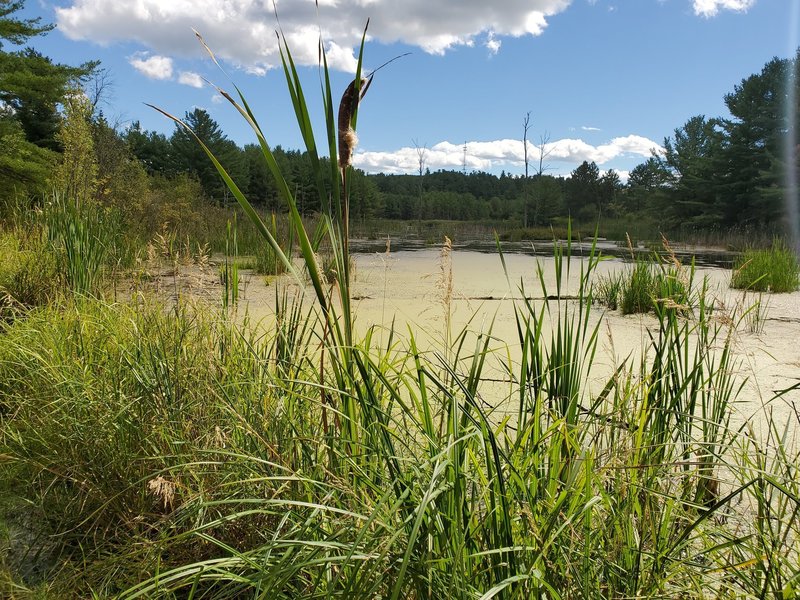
column 187, row 155
column 31, row 88
column 153, row 149
column 646, row 183
column 753, row 169
column 31, row 85
column 692, row 159
column 581, row 192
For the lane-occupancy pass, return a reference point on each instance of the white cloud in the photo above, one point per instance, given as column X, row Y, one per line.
column 243, row 31
column 709, row 8
column 492, row 43
column 587, row 128
column 154, row 67
column 487, row 156
column 191, row 79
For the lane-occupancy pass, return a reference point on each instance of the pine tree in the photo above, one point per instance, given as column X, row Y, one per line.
column 31, row 88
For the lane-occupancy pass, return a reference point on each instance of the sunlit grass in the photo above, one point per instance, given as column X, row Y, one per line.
column 775, row 269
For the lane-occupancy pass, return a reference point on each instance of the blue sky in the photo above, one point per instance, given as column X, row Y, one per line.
column 604, row 80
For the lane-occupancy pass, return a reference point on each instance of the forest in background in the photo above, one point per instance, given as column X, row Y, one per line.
column 716, row 174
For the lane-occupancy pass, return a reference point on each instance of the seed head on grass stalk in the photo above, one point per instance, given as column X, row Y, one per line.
column 347, row 109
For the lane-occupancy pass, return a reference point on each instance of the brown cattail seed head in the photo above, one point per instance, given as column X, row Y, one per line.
column 347, row 107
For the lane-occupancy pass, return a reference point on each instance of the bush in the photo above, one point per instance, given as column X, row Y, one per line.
column 28, row 275
column 775, row 269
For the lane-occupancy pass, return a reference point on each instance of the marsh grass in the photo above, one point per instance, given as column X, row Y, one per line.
column 28, row 273
column 168, row 453
column 229, row 271
column 83, row 237
column 775, row 269
column 645, row 284
column 265, row 260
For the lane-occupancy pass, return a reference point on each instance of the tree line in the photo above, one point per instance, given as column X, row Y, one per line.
column 714, row 172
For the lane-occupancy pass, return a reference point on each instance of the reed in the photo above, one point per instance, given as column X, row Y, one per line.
column 229, row 271
column 647, row 283
column 83, row 238
column 775, row 269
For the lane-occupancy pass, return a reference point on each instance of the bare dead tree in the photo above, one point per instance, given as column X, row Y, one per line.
column 422, row 154
column 526, row 125
column 544, row 152
column 99, row 88
column 544, row 141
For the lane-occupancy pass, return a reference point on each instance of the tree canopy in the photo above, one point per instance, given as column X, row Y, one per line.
column 32, row 87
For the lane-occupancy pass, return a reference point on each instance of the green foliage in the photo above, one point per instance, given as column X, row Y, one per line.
column 775, row 269
column 76, row 175
column 169, row 453
column 582, row 191
column 152, row 149
column 31, row 88
column 83, row 237
column 24, row 167
column 187, row 157
column 18, row 31
column 28, row 273
column 650, row 283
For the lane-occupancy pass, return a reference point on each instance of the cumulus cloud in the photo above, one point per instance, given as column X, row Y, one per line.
column 487, row 156
column 709, row 8
column 243, row 31
column 154, row 67
column 191, row 79
column 492, row 43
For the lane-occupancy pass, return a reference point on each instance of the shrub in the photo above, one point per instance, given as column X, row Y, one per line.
column 28, row 275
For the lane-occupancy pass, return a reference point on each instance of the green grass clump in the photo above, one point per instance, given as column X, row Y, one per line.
column 648, row 284
column 775, row 269
column 28, row 273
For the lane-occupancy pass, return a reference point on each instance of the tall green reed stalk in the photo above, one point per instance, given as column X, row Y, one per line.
column 82, row 236
column 230, row 268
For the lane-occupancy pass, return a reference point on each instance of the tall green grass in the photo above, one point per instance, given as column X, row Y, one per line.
column 775, row 269
column 229, row 271
column 646, row 285
column 28, row 273
column 83, row 237
column 167, row 452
